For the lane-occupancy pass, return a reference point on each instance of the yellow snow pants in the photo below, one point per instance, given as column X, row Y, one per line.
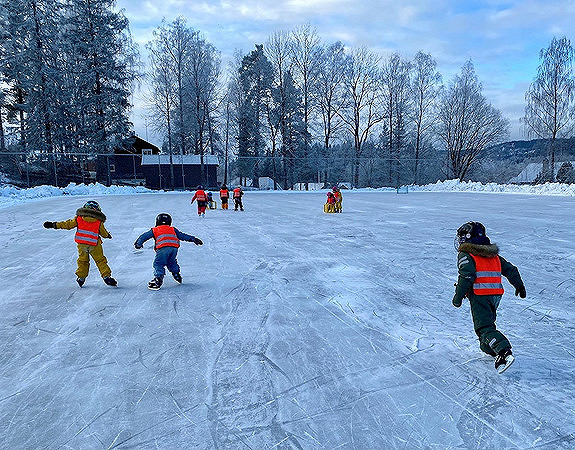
column 97, row 254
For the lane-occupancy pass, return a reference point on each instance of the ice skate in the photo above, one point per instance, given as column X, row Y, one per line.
column 155, row 284
column 109, row 281
column 503, row 360
column 177, row 277
column 80, row 281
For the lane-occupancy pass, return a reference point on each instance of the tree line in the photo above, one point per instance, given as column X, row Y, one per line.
column 295, row 108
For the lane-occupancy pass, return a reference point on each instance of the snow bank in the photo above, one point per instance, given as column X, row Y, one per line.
column 474, row 186
column 10, row 195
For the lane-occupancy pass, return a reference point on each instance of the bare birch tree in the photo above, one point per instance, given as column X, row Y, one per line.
column 550, row 108
column 467, row 122
column 363, row 110
column 425, row 90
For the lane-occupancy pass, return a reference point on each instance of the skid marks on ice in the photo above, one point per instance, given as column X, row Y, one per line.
column 243, row 409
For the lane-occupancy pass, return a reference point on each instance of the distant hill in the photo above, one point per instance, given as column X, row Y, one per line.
column 502, row 162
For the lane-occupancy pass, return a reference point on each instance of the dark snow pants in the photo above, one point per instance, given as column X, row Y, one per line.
column 484, row 313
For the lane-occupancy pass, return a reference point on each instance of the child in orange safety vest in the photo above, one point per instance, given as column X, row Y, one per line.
column 480, row 269
column 329, row 206
column 90, row 229
column 202, row 199
column 167, row 241
column 224, row 196
column 238, row 193
column 338, row 199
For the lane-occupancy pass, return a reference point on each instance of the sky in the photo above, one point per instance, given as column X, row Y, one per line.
column 502, row 38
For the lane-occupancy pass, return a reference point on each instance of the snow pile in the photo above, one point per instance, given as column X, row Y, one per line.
column 10, row 195
column 474, row 186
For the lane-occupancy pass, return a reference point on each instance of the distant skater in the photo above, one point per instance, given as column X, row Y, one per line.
column 480, row 270
column 202, row 200
column 224, row 196
column 238, row 194
column 90, row 229
column 167, row 241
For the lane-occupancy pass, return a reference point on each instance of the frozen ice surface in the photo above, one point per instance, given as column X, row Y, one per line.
column 293, row 328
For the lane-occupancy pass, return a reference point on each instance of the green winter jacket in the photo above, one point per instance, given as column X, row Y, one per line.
column 466, row 267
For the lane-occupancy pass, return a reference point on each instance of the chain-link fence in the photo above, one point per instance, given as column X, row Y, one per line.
column 153, row 171
column 356, row 172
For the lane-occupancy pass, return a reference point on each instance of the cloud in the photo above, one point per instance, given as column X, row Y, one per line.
column 502, row 37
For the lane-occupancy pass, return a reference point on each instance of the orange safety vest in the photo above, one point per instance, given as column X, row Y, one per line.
column 165, row 236
column 487, row 276
column 201, row 196
column 224, row 193
column 237, row 192
column 87, row 232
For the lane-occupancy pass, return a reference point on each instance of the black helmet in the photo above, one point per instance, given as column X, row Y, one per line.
column 472, row 232
column 92, row 205
column 200, row 187
column 163, row 219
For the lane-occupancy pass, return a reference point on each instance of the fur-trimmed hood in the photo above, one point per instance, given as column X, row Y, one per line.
column 87, row 212
column 487, row 251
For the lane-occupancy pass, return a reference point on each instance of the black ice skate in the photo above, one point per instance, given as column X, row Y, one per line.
column 503, row 360
column 110, row 281
column 177, row 277
column 80, row 281
column 155, row 284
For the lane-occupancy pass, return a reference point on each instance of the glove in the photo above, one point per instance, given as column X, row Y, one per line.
column 197, row 241
column 456, row 302
column 137, row 246
column 49, row 224
column 521, row 292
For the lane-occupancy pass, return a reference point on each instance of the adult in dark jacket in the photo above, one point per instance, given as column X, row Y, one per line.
column 480, row 269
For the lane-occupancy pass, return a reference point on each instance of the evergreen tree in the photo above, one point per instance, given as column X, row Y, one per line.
column 104, row 70
column 256, row 75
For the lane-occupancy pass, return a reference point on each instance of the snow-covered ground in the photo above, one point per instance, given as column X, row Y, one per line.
column 293, row 328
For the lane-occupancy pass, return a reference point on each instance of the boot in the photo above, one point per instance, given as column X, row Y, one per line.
column 177, row 277
column 110, row 281
column 155, row 284
column 503, row 360
column 80, row 281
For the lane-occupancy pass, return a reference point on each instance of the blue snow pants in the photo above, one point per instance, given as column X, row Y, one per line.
column 166, row 257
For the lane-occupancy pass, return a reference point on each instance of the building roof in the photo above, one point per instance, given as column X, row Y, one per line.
column 163, row 159
column 135, row 145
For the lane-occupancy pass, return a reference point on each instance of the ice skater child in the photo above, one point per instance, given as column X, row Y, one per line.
column 90, row 229
column 224, row 195
column 480, row 269
column 238, row 194
column 167, row 241
column 202, row 199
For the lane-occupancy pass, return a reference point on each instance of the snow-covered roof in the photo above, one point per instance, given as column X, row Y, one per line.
column 148, row 160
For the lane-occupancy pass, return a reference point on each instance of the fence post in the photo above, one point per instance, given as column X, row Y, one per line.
column 55, row 169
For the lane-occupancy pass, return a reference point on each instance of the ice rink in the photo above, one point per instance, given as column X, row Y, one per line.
column 292, row 329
